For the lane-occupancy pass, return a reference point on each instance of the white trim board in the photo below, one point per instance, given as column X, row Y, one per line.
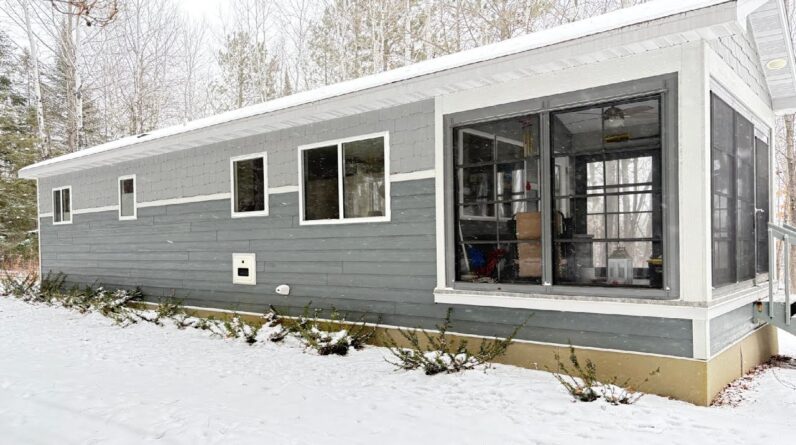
column 283, row 189
column 413, row 176
column 395, row 177
column 597, row 305
column 112, row 208
column 188, row 200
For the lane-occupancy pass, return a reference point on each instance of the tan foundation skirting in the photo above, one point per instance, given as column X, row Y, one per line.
column 695, row 381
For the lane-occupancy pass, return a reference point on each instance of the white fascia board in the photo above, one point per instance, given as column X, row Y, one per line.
column 616, row 20
column 745, row 8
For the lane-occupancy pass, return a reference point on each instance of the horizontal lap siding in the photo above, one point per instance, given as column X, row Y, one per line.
column 205, row 170
column 380, row 269
column 728, row 328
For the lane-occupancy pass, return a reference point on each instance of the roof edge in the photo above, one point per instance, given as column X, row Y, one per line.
column 654, row 10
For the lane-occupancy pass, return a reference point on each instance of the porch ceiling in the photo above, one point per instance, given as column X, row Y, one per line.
column 772, row 35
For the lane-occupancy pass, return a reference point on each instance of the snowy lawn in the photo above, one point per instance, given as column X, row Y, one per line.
column 68, row 378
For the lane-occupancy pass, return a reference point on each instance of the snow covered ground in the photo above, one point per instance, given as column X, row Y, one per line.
column 68, row 378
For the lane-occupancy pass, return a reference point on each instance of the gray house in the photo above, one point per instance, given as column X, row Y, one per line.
column 610, row 176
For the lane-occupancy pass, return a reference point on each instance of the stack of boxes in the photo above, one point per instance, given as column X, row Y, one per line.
column 529, row 246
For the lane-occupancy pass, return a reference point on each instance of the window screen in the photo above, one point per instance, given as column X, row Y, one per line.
column 498, row 212
column 762, row 203
column 607, row 217
column 249, row 185
column 740, row 195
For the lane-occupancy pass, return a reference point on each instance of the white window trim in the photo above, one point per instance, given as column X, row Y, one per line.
column 71, row 206
column 340, row 173
column 135, row 197
column 232, row 161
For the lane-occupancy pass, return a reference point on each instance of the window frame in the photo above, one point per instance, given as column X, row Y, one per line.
column 342, row 219
column 135, row 197
column 232, row 189
column 71, row 207
column 667, row 87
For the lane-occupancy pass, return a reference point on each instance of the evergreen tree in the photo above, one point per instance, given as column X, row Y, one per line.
column 17, row 149
column 248, row 73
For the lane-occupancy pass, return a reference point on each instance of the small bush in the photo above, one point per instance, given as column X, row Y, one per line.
column 324, row 336
column 441, row 354
column 23, row 287
column 581, row 382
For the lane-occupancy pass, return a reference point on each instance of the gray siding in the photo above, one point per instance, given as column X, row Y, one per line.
column 205, row 170
column 741, row 55
column 385, row 269
column 726, row 329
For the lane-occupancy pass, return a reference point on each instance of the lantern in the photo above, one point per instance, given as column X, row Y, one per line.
column 620, row 267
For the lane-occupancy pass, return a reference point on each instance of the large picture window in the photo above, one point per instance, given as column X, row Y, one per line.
column 249, row 185
column 739, row 185
column 498, row 212
column 573, row 194
column 62, row 205
column 345, row 181
column 607, row 220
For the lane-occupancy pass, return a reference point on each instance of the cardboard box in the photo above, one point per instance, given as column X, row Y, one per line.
column 529, row 260
column 529, row 268
column 529, row 225
column 529, row 251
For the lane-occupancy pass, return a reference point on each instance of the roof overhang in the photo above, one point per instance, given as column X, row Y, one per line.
column 612, row 35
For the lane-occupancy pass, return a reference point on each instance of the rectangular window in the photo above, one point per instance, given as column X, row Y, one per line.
column 739, row 186
column 607, row 194
column 62, row 205
column 345, row 181
column 249, row 185
column 498, row 211
column 127, row 200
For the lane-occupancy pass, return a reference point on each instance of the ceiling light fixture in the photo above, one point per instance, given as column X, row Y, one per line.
column 776, row 64
column 614, row 118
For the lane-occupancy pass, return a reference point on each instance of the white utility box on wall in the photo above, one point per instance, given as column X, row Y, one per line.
column 244, row 269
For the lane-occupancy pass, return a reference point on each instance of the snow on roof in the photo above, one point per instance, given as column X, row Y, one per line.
column 653, row 10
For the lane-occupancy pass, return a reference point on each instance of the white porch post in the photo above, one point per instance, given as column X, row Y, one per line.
column 694, row 175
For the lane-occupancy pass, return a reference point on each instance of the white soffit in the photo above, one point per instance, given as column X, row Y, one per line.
column 562, row 47
column 772, row 35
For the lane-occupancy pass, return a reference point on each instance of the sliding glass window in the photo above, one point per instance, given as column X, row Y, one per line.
column 497, row 192
column 607, row 213
column 739, row 183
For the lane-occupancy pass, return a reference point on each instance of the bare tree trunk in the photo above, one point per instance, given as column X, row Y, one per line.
column 78, row 88
column 43, row 143
column 790, row 187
